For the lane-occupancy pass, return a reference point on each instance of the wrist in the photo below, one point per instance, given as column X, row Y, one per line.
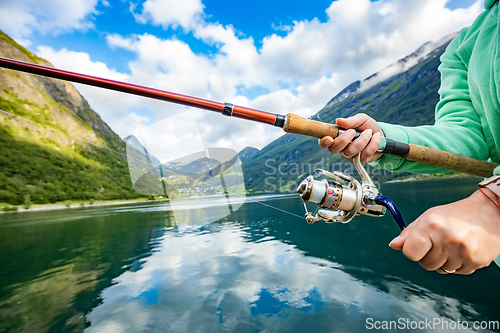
column 490, row 188
column 492, row 183
column 487, row 201
column 489, row 214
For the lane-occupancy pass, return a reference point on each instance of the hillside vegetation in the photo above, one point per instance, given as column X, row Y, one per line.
column 38, row 163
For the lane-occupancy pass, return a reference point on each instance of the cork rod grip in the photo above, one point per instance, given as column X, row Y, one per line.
column 299, row 125
column 450, row 161
column 430, row 156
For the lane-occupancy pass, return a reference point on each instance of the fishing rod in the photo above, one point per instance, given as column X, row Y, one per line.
column 342, row 195
column 290, row 123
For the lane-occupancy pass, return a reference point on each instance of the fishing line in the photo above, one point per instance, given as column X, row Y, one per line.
column 141, row 161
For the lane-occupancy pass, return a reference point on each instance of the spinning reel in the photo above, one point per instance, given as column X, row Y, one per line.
column 343, row 197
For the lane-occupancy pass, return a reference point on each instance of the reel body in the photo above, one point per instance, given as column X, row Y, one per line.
column 340, row 196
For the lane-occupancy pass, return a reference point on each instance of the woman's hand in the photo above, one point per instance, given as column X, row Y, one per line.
column 367, row 143
column 460, row 237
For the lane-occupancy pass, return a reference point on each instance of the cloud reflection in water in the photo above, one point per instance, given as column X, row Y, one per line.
column 215, row 278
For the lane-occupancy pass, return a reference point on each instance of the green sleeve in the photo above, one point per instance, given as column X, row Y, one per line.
column 457, row 128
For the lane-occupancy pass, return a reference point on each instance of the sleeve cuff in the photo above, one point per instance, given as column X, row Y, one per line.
column 497, row 261
column 391, row 162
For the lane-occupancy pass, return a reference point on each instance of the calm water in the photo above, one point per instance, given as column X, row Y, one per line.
column 131, row 269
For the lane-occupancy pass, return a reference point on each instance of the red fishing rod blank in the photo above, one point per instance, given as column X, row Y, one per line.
column 226, row 109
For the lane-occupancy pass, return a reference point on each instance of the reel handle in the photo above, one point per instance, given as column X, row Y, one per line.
column 421, row 154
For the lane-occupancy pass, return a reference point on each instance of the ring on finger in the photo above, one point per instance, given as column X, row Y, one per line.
column 343, row 155
column 447, row 271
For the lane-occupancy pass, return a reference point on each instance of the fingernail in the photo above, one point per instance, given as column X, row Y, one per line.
column 376, row 135
column 370, row 132
column 351, row 132
column 394, row 240
column 328, row 141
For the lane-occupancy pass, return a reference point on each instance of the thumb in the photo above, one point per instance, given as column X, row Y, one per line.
column 398, row 242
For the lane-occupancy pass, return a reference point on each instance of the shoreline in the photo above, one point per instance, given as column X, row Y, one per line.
column 431, row 177
column 62, row 206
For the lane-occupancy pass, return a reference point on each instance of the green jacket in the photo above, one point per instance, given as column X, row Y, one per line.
column 468, row 113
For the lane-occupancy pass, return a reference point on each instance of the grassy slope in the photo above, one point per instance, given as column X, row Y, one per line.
column 43, row 165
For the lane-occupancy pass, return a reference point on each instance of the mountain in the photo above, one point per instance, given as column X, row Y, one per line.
column 193, row 164
column 247, row 154
column 212, row 171
column 404, row 93
column 54, row 147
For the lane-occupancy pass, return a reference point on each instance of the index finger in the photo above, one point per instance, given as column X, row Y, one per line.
column 359, row 121
column 325, row 142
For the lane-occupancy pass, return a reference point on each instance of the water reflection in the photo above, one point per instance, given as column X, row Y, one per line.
column 55, row 264
column 134, row 268
column 37, row 304
column 215, row 279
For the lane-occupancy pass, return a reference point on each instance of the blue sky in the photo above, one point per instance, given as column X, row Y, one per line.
column 279, row 56
column 252, row 18
column 256, row 18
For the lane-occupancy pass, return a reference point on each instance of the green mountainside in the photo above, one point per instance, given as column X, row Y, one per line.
column 247, row 154
column 408, row 98
column 40, row 164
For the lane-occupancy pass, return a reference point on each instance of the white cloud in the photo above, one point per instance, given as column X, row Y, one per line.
column 20, row 18
column 267, row 266
column 170, row 13
column 301, row 70
column 80, row 62
column 360, row 37
column 118, row 41
column 400, row 67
